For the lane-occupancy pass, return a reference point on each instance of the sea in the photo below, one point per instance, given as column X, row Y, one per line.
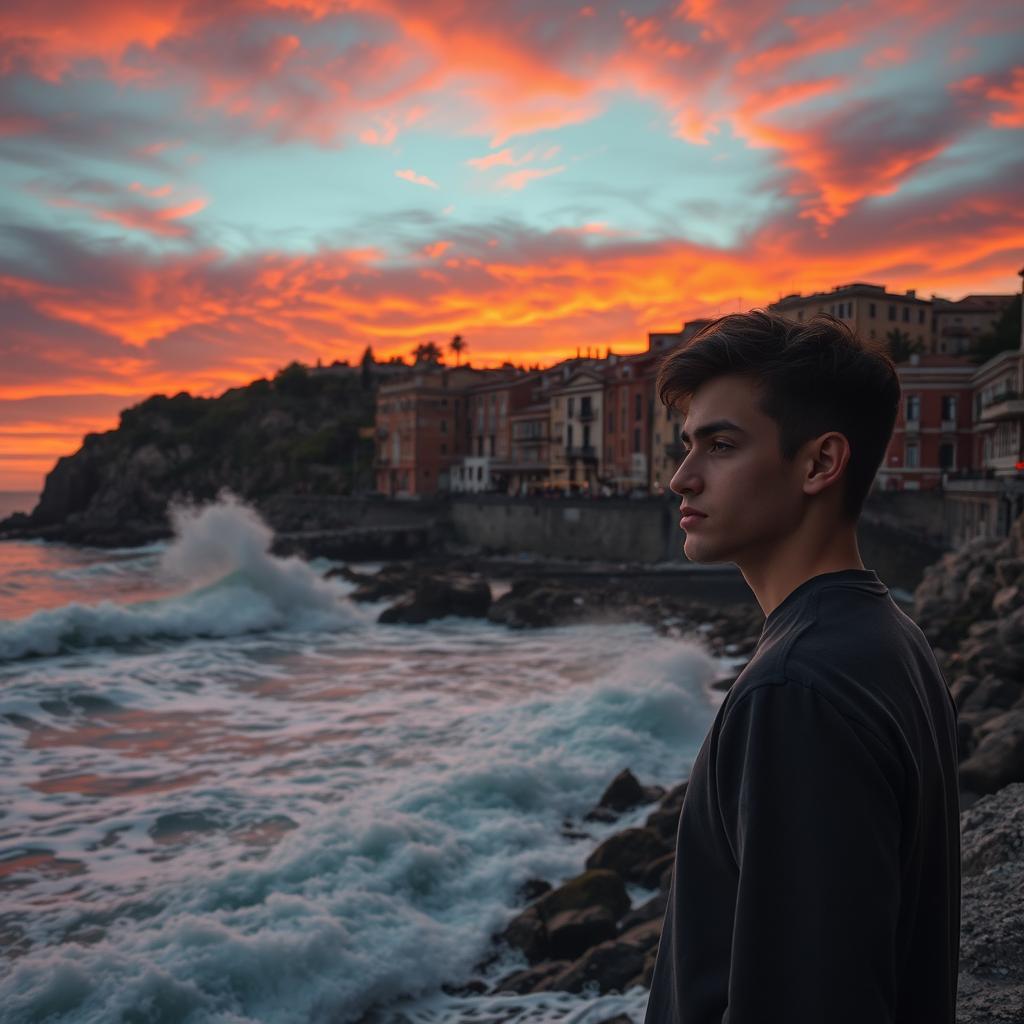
column 229, row 795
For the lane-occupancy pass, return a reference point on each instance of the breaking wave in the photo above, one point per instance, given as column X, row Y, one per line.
column 221, row 553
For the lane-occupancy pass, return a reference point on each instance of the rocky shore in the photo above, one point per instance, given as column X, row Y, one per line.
column 586, row 930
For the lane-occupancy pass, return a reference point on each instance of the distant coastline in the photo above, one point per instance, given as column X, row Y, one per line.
column 17, row 501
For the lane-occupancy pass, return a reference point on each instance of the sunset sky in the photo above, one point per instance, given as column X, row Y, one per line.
column 194, row 194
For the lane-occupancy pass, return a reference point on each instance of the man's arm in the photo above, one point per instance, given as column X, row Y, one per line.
column 809, row 802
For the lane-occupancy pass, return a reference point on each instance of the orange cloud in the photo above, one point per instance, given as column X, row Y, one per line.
column 1007, row 90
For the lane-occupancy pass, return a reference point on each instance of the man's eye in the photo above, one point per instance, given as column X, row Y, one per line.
column 721, row 445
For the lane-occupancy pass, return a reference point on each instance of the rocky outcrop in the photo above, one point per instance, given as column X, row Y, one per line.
column 584, row 931
column 434, row 597
column 297, row 433
column 970, row 605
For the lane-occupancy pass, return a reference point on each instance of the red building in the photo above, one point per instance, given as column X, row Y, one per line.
column 422, row 429
column 628, row 408
column 932, row 435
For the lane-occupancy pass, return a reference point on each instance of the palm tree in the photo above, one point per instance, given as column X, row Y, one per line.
column 458, row 346
column 901, row 348
column 428, row 352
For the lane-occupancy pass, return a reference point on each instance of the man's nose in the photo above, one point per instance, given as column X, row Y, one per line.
column 685, row 480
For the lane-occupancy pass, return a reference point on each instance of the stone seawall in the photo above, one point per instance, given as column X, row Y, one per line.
column 608, row 529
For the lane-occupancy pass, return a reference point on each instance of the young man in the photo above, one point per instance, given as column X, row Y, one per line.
column 817, row 870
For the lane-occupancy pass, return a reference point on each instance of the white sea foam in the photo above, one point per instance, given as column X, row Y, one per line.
column 221, row 553
column 392, row 884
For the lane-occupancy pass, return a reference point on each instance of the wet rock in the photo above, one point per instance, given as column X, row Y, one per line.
column 529, row 979
column 571, row 932
column 532, row 889
column 527, row 933
column 435, row 597
column 600, row 888
column 665, row 820
column 655, row 870
column 611, row 965
column 652, row 910
column 629, row 853
column 624, row 792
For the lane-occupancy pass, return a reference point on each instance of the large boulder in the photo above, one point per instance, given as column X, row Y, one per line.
column 572, row 932
column 623, row 793
column 630, row 853
column 600, row 888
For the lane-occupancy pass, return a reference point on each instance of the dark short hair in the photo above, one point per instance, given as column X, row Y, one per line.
column 813, row 377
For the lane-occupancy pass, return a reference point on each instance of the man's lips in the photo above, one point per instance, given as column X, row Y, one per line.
column 690, row 516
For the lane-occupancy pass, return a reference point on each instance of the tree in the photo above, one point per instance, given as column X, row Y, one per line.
column 458, row 346
column 1005, row 334
column 901, row 348
column 366, row 365
column 428, row 352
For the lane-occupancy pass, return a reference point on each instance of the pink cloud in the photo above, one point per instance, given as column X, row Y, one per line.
column 416, row 179
column 517, row 180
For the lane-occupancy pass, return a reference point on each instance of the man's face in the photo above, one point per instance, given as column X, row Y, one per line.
column 734, row 473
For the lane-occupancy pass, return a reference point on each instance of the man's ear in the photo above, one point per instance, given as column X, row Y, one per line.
column 825, row 460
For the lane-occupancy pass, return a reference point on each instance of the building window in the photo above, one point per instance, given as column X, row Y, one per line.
column 912, row 456
column 444, row 449
column 571, row 404
column 636, row 439
column 949, row 408
column 913, row 408
column 906, row 314
column 871, row 310
column 444, row 426
column 611, row 423
column 638, row 407
column 568, row 436
column 946, row 456
column 920, row 316
column 892, row 312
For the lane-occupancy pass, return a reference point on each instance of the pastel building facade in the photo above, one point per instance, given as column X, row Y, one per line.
column 869, row 310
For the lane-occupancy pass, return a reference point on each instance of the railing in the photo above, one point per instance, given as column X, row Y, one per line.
column 586, row 451
column 1004, row 396
column 586, row 415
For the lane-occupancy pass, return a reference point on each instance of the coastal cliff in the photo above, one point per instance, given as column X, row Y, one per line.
column 304, row 432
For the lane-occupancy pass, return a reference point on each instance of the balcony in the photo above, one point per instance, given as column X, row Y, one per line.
column 912, row 426
column 1009, row 405
column 587, row 452
column 586, row 415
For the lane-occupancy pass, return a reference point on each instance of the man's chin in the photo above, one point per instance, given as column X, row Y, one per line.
column 703, row 554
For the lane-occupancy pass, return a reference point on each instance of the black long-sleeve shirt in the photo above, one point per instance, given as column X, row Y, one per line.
column 817, row 870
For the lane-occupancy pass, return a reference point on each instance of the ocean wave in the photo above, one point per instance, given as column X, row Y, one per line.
column 221, row 553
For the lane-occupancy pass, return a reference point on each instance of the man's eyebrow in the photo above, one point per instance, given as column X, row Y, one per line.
column 714, row 427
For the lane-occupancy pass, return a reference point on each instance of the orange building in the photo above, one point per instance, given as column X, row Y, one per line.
column 871, row 311
column 960, row 325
